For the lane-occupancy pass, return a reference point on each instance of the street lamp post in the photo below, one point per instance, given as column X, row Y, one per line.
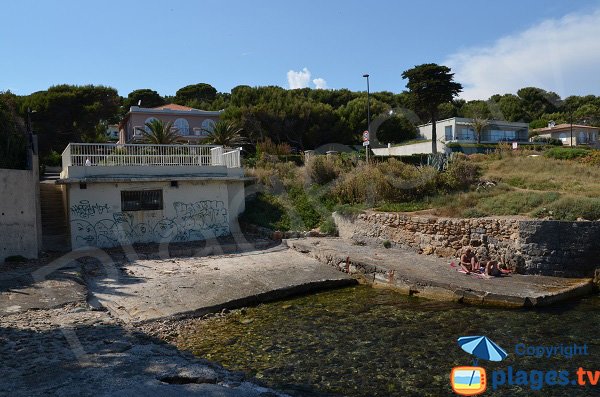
column 366, row 75
column 29, row 130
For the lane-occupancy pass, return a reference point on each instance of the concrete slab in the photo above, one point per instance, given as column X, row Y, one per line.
column 20, row 291
column 152, row 289
column 432, row 277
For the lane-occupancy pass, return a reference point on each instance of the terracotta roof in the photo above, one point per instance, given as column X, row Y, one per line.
column 562, row 127
column 173, row 106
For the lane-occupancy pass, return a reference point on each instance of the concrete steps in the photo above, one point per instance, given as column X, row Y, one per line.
column 55, row 230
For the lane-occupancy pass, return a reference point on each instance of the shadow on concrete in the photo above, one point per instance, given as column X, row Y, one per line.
column 90, row 357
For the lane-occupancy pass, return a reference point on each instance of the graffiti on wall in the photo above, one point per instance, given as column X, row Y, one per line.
column 192, row 221
column 84, row 209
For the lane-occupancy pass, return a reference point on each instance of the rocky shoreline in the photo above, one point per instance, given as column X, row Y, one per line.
column 53, row 342
column 75, row 350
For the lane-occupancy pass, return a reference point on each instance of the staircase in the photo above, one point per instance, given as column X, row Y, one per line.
column 55, row 231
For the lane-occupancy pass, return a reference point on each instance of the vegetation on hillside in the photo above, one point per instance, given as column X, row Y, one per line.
column 302, row 118
column 13, row 138
column 525, row 183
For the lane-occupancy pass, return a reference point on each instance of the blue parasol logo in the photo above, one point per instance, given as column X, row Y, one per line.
column 482, row 348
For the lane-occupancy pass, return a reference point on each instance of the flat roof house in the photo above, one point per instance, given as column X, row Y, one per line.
column 582, row 134
column 191, row 124
column 458, row 130
column 123, row 194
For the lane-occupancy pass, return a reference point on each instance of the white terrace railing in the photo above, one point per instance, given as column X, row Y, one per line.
column 96, row 154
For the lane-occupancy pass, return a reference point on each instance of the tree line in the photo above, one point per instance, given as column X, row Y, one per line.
column 304, row 118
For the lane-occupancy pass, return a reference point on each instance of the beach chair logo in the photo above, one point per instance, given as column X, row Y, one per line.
column 472, row 380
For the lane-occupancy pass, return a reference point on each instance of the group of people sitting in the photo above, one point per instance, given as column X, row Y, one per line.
column 470, row 264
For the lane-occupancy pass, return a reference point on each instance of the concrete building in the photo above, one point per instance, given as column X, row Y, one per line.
column 458, row 130
column 582, row 134
column 20, row 218
column 125, row 194
column 191, row 124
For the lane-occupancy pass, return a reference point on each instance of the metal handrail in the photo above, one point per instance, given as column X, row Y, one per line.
column 94, row 154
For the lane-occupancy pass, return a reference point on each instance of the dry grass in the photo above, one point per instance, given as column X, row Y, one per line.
column 544, row 174
column 531, row 186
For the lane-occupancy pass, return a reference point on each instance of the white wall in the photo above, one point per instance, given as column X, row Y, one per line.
column 440, row 129
column 83, row 172
column 20, row 222
column 407, row 150
column 195, row 210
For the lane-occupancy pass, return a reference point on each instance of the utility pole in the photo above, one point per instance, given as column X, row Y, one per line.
column 366, row 75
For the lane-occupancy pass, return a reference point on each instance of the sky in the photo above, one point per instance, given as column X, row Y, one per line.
column 492, row 47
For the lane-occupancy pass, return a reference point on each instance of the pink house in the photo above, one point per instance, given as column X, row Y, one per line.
column 191, row 124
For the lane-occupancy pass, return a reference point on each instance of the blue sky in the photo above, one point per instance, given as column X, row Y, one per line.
column 494, row 47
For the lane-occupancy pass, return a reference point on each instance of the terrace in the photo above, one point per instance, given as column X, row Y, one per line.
column 86, row 160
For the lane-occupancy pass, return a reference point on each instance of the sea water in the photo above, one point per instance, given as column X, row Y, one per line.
column 362, row 341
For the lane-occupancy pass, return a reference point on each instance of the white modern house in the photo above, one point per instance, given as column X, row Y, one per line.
column 458, row 130
column 123, row 194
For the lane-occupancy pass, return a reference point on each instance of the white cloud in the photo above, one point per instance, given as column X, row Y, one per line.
column 299, row 79
column 560, row 55
column 320, row 83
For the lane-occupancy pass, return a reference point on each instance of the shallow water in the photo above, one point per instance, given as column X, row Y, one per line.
column 362, row 341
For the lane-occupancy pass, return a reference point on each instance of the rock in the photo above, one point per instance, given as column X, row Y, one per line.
column 277, row 235
column 445, row 252
column 428, row 250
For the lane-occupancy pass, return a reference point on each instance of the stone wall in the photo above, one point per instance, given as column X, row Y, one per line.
column 528, row 246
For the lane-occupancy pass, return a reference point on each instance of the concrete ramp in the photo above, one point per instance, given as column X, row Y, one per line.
column 178, row 287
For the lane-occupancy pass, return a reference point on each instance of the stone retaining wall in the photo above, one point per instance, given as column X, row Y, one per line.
column 554, row 248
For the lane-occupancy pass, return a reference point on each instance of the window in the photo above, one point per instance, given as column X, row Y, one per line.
column 466, row 134
column 207, row 126
column 183, row 127
column 148, row 120
column 141, row 200
column 448, row 133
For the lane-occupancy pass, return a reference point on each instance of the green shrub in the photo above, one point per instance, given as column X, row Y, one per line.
column 322, row 169
column 304, row 208
column 571, row 208
column 514, row 203
column 53, row 159
column 366, row 185
column 267, row 211
column 387, row 244
column 328, row 227
column 566, row 153
column 275, row 176
column 461, row 174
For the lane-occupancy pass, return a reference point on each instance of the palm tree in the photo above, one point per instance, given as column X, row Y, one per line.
column 225, row 134
column 160, row 133
column 478, row 124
